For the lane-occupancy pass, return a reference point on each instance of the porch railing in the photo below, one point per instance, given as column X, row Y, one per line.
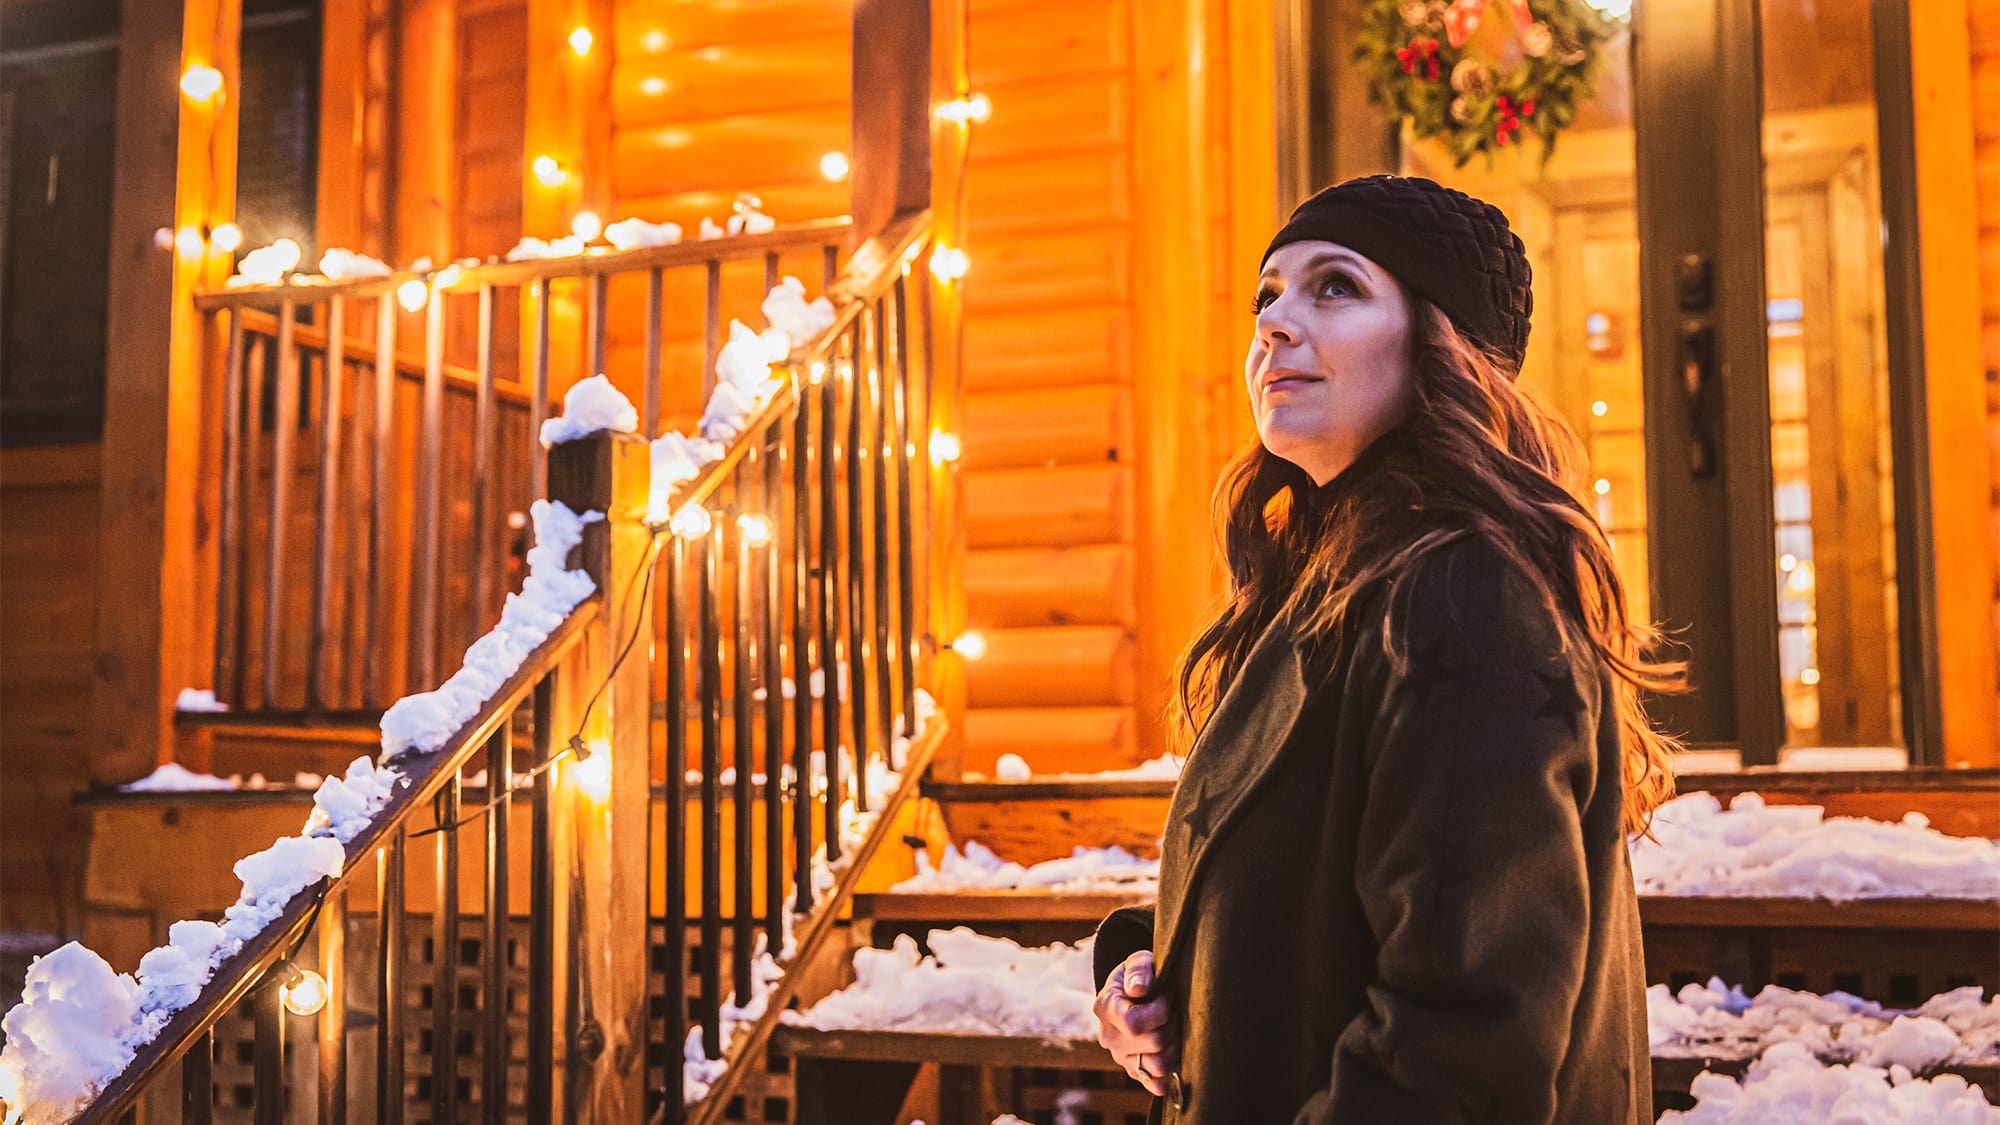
column 789, row 630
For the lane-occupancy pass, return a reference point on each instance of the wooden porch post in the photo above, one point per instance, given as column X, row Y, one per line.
column 601, row 839
column 175, row 167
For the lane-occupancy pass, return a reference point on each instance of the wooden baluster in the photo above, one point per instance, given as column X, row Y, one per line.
column 711, row 794
column 711, row 326
column 332, row 374
column 383, row 440
column 600, row 321
column 655, row 285
column 253, row 438
column 354, row 654
column 541, row 912
column 906, row 580
column 430, row 482
column 444, row 958
column 538, row 397
column 267, row 1073
column 485, row 423
column 332, row 930
column 389, row 986
column 228, row 574
column 493, row 1053
column 198, row 1081
column 674, row 1002
column 771, row 615
column 287, row 410
column 858, row 656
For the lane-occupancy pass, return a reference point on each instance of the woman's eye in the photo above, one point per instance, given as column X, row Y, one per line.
column 1339, row 285
column 1263, row 298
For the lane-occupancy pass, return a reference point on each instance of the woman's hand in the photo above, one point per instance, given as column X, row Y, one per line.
column 1136, row 1026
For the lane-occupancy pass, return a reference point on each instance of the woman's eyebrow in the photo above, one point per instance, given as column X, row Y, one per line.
column 1343, row 257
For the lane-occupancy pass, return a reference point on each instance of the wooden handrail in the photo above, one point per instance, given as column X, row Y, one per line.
column 234, row 978
column 597, row 262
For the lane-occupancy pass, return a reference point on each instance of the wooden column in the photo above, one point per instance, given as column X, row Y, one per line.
column 150, row 642
column 1172, row 371
column 1960, row 485
column 892, row 113
column 343, row 116
column 425, row 158
column 936, row 406
column 601, row 843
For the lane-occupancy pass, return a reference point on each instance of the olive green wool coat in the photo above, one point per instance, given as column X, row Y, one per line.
column 1400, row 893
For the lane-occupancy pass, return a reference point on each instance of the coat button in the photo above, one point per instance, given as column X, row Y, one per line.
column 1177, row 1091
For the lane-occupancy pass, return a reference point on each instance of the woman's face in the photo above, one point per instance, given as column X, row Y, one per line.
column 1330, row 367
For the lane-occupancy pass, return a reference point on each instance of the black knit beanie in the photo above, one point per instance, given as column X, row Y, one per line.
column 1452, row 250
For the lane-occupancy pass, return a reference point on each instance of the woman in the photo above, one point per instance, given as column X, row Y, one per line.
column 1394, row 884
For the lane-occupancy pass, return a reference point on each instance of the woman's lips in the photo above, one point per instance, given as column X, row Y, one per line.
column 1289, row 382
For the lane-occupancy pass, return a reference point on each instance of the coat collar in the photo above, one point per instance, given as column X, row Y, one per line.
column 1243, row 739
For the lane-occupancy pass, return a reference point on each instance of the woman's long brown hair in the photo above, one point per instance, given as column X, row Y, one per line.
column 1483, row 458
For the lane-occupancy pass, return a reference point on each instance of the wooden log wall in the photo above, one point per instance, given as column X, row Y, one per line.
column 1985, row 35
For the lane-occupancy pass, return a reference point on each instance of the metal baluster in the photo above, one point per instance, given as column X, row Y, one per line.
column 858, row 656
column 389, row 988
column 878, row 511
column 444, row 958
column 378, row 489
column 803, row 629
column 228, row 577
column 281, row 488
column 742, row 748
column 331, row 375
column 654, row 295
column 267, row 1076
column 829, row 609
column 906, row 616
column 538, row 398
column 485, row 416
column 711, row 798
column 772, row 615
column 430, row 479
column 198, row 1081
column 499, row 794
column 332, row 930
column 674, row 1003
column 541, row 913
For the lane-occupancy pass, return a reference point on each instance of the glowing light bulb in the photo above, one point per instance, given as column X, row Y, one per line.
column 226, row 238
column 654, row 40
column 1600, row 408
column 201, row 82
column 691, row 522
column 1602, row 486
column 970, row 644
column 586, row 225
column 581, row 41
column 949, row 263
column 593, row 774
column 1809, row 677
column 653, row 87
column 413, row 295
column 189, row 242
column 972, row 107
column 1787, row 562
column 306, row 995
column 834, row 166
column 549, row 172
column 944, row 448
column 756, row 529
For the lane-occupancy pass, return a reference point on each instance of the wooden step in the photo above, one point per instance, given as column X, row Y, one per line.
column 1048, row 507
column 1085, row 665
column 1085, row 585
column 1067, row 426
column 1052, row 739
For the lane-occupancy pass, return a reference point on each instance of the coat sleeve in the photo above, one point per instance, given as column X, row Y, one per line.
column 1122, row 933
column 1470, row 863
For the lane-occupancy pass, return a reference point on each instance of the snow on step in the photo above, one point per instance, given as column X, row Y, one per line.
column 970, row 984
column 1087, row 870
column 1720, row 1022
column 1788, row 1086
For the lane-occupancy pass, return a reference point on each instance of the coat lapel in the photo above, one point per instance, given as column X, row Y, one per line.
column 1236, row 750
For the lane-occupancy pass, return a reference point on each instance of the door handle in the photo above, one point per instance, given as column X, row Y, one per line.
column 1696, row 362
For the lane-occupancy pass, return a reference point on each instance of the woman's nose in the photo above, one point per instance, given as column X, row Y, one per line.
column 1273, row 328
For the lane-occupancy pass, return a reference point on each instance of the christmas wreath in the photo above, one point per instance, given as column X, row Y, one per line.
column 1533, row 64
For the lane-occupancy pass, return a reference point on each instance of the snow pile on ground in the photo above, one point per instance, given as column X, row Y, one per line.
column 1796, row 851
column 970, row 984
column 1085, row 870
column 172, row 777
column 1720, row 1022
column 1788, row 1086
column 200, row 701
column 422, row 723
column 339, row 264
column 591, row 405
column 632, row 234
